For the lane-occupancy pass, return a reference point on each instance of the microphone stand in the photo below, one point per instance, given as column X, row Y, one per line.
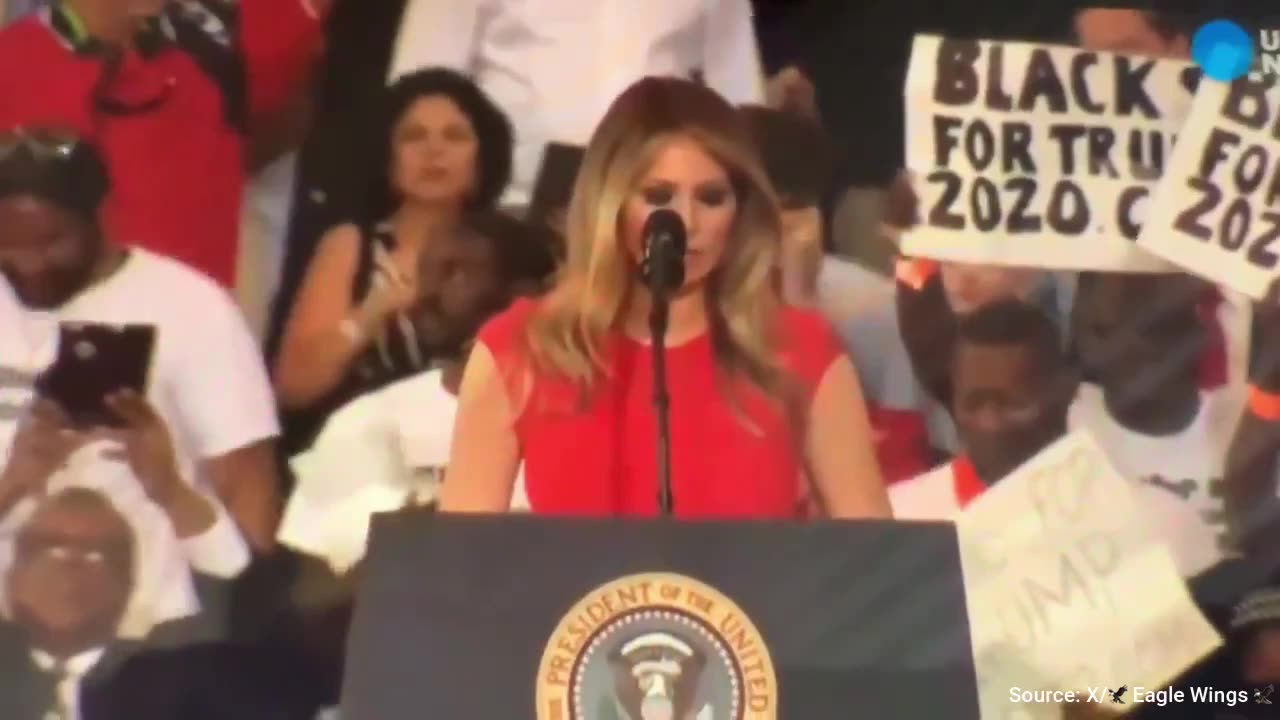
column 658, row 315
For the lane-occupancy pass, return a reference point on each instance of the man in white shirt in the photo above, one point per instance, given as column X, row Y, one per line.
column 1168, row 34
column 1012, row 385
column 1139, row 339
column 207, row 388
column 400, row 436
column 555, row 66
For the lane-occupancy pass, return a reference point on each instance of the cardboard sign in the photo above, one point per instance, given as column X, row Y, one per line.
column 1068, row 588
column 1038, row 155
column 1217, row 210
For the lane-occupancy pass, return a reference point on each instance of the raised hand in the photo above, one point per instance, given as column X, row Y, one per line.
column 792, row 91
column 44, row 442
column 902, row 206
column 391, row 293
column 145, row 444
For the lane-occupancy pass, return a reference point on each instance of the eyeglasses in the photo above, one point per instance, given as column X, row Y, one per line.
column 47, row 143
column 45, row 551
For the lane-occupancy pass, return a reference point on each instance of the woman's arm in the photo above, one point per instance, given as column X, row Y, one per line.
column 840, row 450
column 486, row 453
column 315, row 352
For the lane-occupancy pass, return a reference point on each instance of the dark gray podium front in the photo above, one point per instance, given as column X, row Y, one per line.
column 498, row 618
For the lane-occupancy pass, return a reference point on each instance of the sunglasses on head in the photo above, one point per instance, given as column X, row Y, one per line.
column 45, row 143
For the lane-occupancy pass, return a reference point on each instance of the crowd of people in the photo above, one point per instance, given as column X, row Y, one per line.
column 470, row 313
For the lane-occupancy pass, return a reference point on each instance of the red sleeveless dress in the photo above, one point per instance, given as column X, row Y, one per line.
column 729, row 460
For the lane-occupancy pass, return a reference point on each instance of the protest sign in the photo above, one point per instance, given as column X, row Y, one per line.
column 1068, row 588
column 1216, row 212
column 1038, row 155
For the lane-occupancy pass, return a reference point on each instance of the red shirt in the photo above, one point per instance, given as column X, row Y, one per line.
column 177, row 171
column 599, row 459
column 968, row 485
column 902, row 443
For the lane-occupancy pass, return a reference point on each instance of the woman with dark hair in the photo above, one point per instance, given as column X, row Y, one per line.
column 442, row 149
column 489, row 142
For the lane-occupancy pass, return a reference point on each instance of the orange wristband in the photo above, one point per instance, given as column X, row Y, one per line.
column 1264, row 405
column 914, row 272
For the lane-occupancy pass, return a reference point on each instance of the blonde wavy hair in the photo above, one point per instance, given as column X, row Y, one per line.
column 567, row 334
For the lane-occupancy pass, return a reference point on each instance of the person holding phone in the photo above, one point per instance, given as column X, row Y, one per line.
column 183, row 532
column 206, row 418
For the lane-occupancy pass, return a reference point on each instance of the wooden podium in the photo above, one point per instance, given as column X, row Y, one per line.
column 515, row 617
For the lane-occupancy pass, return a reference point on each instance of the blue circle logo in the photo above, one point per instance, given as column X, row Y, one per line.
column 1223, row 50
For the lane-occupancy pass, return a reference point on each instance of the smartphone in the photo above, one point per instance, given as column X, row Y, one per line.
column 94, row 361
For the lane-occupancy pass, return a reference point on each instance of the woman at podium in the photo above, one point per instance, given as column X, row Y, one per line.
column 762, row 398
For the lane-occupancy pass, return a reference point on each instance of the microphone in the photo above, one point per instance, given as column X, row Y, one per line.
column 665, row 243
column 662, row 267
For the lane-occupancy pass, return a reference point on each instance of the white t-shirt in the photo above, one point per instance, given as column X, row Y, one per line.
column 1176, row 478
column 373, row 455
column 207, row 381
column 931, row 496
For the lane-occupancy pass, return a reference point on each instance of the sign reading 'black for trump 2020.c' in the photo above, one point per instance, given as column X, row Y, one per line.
column 1217, row 210
column 1038, row 155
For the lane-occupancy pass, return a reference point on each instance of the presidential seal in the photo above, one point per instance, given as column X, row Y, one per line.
column 656, row 647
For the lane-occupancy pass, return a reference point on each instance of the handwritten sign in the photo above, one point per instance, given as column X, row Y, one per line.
column 1217, row 210
column 1068, row 588
column 1038, row 155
